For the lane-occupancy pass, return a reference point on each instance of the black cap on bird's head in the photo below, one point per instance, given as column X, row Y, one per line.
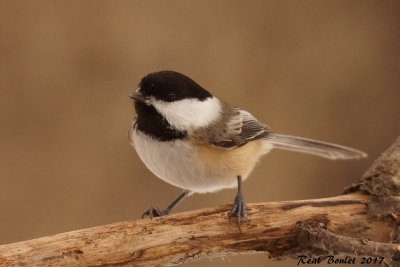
column 169, row 86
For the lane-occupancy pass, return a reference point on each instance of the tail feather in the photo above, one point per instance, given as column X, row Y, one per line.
column 318, row 148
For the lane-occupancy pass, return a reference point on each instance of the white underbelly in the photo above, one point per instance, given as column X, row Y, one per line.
column 189, row 167
column 178, row 163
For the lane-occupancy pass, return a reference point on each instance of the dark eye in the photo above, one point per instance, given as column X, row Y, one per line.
column 170, row 96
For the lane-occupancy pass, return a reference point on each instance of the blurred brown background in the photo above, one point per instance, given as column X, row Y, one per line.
column 321, row 69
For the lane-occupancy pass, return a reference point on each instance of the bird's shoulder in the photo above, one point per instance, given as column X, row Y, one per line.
column 234, row 128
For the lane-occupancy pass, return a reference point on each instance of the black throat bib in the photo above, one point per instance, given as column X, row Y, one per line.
column 152, row 123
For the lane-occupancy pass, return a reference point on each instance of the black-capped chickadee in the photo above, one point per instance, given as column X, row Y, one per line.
column 191, row 139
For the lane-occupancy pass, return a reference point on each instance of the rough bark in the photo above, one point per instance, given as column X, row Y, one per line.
column 363, row 222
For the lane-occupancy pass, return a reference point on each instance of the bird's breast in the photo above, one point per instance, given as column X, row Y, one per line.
column 196, row 167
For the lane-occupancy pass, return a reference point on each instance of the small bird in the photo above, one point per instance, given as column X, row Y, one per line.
column 192, row 140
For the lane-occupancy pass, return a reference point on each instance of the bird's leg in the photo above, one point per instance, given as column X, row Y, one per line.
column 156, row 212
column 239, row 206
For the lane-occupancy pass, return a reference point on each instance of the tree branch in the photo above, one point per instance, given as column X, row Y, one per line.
column 361, row 222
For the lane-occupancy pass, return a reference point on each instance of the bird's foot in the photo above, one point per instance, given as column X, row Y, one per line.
column 239, row 209
column 154, row 212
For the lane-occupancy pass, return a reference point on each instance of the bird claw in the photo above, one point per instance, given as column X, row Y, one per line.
column 239, row 209
column 154, row 212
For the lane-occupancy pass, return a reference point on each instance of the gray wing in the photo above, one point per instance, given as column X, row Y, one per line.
column 237, row 128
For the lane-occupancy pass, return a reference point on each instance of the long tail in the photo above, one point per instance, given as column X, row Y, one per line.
column 309, row 146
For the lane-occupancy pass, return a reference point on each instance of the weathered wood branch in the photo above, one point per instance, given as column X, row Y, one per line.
column 361, row 222
column 203, row 233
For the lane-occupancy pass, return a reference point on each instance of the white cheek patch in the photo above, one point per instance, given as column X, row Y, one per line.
column 187, row 114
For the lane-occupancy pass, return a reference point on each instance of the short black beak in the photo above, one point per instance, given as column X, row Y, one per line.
column 137, row 97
